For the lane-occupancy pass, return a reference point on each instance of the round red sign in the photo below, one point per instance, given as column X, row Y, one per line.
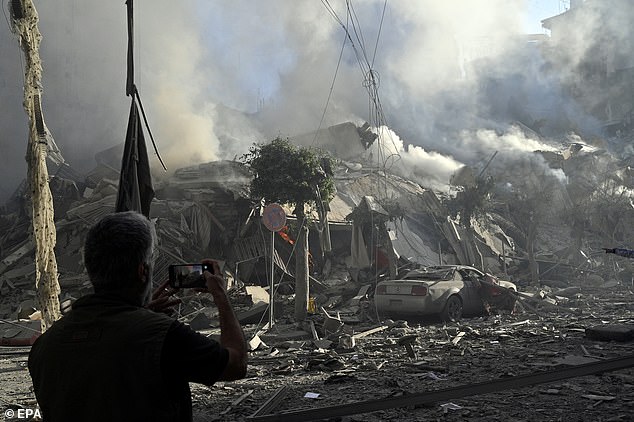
column 274, row 217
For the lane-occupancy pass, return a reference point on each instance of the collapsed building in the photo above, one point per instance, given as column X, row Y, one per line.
column 377, row 223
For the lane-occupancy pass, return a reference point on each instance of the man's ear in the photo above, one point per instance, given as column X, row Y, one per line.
column 143, row 272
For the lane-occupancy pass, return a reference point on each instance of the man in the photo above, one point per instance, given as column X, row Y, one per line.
column 113, row 359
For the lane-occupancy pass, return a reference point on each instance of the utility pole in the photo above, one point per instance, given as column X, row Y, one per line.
column 25, row 24
column 302, row 289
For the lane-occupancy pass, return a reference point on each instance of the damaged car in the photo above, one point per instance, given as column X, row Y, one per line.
column 448, row 291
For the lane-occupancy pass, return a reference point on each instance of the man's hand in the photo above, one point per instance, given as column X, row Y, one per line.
column 162, row 300
column 215, row 282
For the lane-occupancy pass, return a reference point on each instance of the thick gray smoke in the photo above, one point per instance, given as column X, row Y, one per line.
column 216, row 76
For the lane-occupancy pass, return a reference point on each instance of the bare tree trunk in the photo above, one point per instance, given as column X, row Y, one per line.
column 25, row 24
column 301, row 268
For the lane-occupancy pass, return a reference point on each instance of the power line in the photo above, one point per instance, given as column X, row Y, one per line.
column 378, row 35
column 371, row 81
column 332, row 86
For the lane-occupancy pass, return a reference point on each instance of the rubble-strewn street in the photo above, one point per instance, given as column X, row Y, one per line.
column 464, row 252
column 499, row 346
column 346, row 351
column 334, row 370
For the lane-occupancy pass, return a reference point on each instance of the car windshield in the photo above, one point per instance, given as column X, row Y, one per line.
column 431, row 274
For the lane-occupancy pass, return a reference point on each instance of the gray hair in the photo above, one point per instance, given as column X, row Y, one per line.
column 114, row 248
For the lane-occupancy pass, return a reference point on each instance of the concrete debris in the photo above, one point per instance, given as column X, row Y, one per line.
column 347, row 342
column 408, row 341
column 255, row 343
column 331, row 325
column 449, row 406
column 583, row 298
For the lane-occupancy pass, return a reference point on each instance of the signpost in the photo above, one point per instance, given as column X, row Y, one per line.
column 274, row 219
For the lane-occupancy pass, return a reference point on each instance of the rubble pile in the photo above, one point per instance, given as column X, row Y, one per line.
column 204, row 210
column 389, row 358
column 346, row 351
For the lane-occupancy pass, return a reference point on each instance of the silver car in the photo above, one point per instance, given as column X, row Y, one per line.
column 449, row 291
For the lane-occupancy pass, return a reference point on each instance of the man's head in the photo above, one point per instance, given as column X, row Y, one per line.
column 118, row 253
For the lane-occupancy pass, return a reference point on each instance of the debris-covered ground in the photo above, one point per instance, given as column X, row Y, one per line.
column 346, row 352
column 368, row 359
column 378, row 366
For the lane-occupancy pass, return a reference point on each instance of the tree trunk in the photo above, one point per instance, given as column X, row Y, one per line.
column 301, row 268
column 25, row 24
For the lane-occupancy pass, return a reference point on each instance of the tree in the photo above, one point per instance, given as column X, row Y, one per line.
column 292, row 175
column 530, row 205
column 471, row 201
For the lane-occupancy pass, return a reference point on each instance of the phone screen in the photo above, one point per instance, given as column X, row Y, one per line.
column 188, row 275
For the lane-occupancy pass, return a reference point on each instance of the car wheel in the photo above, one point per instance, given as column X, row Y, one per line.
column 453, row 309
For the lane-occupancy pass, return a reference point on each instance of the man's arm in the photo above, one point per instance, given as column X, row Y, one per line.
column 231, row 335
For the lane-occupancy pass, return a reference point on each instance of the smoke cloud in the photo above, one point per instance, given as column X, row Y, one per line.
column 216, row 76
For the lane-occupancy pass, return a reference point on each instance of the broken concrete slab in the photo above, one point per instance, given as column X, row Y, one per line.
column 281, row 333
column 258, row 294
column 259, row 312
column 608, row 332
column 323, row 343
column 362, row 294
column 24, row 249
column 256, row 343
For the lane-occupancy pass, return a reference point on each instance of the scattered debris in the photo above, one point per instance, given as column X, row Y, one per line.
column 449, row 406
column 346, row 345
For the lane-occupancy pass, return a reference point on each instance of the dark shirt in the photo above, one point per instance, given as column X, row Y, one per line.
column 110, row 359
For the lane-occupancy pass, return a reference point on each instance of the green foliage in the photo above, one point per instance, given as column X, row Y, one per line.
column 289, row 174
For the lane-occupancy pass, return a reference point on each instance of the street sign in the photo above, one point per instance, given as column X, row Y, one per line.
column 274, row 217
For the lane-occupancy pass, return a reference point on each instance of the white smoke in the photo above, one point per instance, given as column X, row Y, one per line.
column 428, row 168
column 275, row 63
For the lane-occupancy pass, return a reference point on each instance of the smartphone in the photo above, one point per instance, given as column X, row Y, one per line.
column 183, row 276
